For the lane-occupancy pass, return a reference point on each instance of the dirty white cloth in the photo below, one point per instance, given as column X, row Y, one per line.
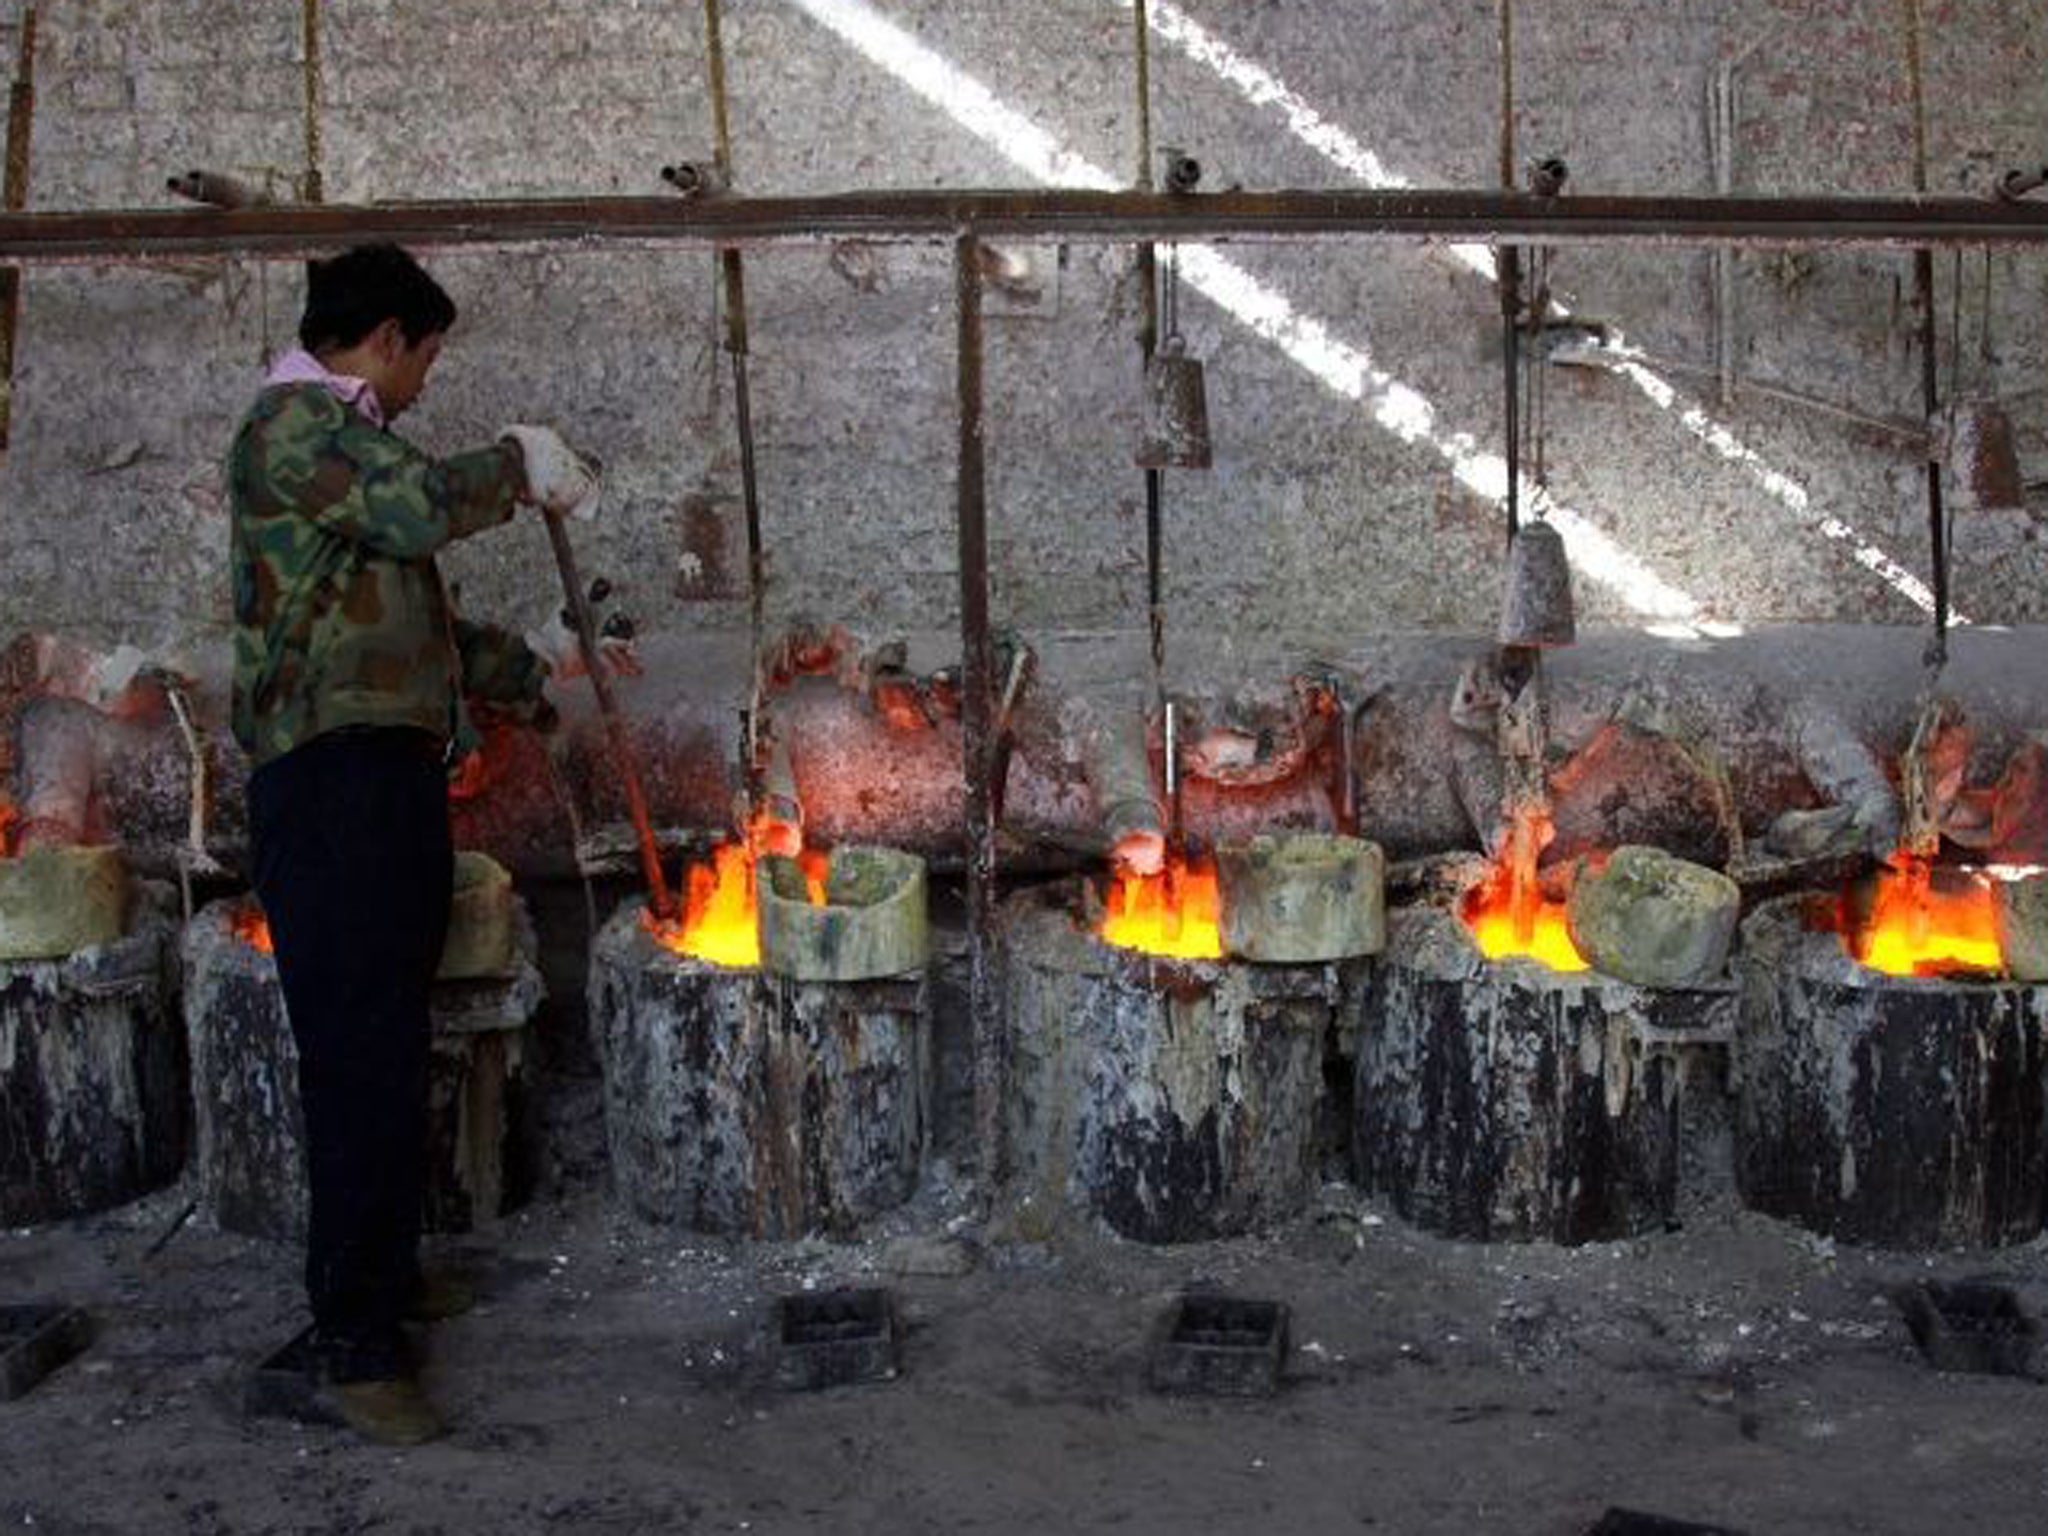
column 299, row 366
column 557, row 476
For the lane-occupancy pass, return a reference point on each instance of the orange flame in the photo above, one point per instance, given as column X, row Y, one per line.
column 1508, row 913
column 248, row 924
column 1177, row 913
column 817, row 867
column 1915, row 929
column 721, row 919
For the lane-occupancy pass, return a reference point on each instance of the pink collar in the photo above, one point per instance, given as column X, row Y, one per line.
column 299, row 366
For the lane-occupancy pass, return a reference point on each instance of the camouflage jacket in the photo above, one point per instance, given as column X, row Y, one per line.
column 340, row 614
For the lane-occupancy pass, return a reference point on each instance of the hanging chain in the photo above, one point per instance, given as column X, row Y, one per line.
column 1987, row 360
column 1539, row 366
column 263, row 309
column 1955, row 327
column 1169, row 309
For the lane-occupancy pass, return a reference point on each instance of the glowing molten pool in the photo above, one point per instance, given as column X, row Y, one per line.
column 1917, row 927
column 250, row 926
column 1176, row 913
column 1508, row 915
column 721, row 919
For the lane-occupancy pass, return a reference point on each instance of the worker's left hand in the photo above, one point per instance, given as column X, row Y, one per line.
column 558, row 478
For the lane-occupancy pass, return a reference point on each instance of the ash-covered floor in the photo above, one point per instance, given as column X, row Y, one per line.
column 615, row 1378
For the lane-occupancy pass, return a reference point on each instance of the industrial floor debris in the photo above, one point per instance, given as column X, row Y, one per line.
column 1733, row 1373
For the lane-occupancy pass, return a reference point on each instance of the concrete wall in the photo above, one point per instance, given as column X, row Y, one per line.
column 1349, row 385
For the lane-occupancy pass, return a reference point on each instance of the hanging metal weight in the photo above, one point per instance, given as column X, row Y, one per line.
column 1176, row 426
column 1975, row 439
column 1536, row 608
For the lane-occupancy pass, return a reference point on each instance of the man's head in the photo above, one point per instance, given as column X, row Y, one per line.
column 375, row 313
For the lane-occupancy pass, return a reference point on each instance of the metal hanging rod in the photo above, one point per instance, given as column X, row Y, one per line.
column 1058, row 214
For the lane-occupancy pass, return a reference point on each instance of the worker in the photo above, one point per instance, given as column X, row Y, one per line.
column 349, row 681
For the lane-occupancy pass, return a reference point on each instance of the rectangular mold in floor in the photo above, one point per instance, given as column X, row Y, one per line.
column 1629, row 1522
column 1971, row 1325
column 1224, row 1346
column 35, row 1339
column 835, row 1339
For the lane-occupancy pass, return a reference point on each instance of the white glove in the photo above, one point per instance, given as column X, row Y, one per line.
column 557, row 476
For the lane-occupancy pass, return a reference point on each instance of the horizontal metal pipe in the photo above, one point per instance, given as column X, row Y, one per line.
column 1062, row 214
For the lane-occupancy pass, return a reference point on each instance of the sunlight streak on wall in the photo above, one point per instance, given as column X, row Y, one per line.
column 1345, row 369
column 1261, row 88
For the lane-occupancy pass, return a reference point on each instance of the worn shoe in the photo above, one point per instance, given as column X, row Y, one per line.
column 391, row 1412
column 439, row 1297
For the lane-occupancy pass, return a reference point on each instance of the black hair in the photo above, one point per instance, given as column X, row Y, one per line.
column 350, row 295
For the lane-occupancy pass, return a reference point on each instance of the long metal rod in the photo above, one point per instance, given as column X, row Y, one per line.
column 1510, row 277
column 714, row 65
column 1721, row 124
column 1507, row 93
column 1069, row 214
column 1930, row 395
column 1930, row 384
column 733, row 271
column 976, row 710
column 628, row 764
column 1148, row 347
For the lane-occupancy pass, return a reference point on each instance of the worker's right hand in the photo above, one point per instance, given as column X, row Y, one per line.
column 558, row 478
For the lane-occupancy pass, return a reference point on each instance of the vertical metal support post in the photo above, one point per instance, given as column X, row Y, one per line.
column 991, row 1038
column 314, row 189
column 21, row 108
column 1510, row 260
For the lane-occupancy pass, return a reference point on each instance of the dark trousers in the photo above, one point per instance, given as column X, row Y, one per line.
column 354, row 867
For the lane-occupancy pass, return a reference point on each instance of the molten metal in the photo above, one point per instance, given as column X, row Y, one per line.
column 1508, row 914
column 721, row 919
column 1917, row 929
column 1176, row 913
column 721, row 914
